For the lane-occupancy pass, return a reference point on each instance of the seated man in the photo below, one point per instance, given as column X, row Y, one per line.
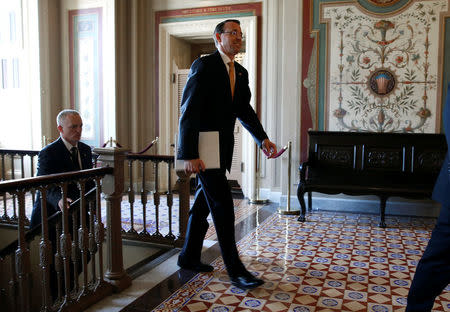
column 57, row 157
column 63, row 155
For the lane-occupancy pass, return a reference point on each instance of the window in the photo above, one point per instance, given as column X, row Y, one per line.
column 19, row 75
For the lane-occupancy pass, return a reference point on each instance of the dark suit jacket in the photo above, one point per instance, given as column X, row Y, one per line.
column 441, row 191
column 55, row 158
column 207, row 105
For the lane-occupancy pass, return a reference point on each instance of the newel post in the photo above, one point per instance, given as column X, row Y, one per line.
column 113, row 186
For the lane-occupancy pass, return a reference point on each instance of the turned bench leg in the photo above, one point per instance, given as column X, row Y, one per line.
column 300, row 194
column 310, row 201
column 383, row 199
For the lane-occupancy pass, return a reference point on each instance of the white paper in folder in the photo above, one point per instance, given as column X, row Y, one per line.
column 208, row 150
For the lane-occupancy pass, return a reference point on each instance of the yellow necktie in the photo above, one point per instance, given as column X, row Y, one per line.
column 231, row 73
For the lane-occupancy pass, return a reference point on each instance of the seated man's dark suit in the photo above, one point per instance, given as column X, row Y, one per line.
column 56, row 158
column 207, row 105
column 433, row 271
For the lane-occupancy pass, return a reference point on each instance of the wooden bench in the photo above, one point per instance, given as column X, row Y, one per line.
column 381, row 164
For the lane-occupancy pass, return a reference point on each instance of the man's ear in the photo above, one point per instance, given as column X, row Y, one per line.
column 218, row 37
column 60, row 128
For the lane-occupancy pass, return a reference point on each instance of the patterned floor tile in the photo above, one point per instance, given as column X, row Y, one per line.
column 221, row 308
column 330, row 303
column 353, row 306
column 336, row 262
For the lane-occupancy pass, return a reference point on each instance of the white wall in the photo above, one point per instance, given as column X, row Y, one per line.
column 281, row 87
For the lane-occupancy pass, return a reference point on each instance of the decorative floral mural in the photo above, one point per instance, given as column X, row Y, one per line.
column 383, row 2
column 383, row 71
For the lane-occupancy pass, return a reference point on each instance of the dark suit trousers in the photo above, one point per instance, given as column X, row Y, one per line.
column 433, row 271
column 213, row 195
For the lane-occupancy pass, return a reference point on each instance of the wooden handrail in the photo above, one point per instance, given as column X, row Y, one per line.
column 165, row 158
column 4, row 151
column 33, row 182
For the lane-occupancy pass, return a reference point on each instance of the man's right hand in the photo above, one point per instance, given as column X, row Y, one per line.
column 60, row 203
column 194, row 166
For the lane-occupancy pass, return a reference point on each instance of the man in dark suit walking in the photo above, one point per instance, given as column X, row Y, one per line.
column 433, row 271
column 216, row 93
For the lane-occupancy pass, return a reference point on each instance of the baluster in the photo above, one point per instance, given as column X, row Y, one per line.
column 22, row 172
column 83, row 238
column 65, row 247
column 170, row 200
column 45, row 254
column 92, row 245
column 144, row 201
column 131, row 196
column 13, row 284
column 156, row 200
column 3, row 168
column 5, row 213
column 14, row 196
column 23, row 257
column 99, row 231
column 32, row 165
column 75, row 250
column 5, row 216
column 22, row 167
column 58, row 260
column 95, row 164
column 33, row 192
column 13, row 173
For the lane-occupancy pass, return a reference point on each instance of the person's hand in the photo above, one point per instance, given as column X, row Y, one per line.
column 60, row 203
column 194, row 166
column 269, row 148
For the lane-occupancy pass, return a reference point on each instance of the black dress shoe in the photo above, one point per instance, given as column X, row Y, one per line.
column 198, row 267
column 246, row 281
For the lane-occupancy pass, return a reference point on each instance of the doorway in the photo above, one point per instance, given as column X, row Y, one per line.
column 175, row 39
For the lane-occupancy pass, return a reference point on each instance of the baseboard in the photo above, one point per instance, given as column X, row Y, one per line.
column 394, row 206
column 360, row 204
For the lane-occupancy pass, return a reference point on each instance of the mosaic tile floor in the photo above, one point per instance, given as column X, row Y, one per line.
column 333, row 262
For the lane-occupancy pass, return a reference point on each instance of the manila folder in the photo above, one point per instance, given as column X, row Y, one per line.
column 208, row 150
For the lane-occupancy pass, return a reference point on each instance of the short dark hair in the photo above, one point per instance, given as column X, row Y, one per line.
column 221, row 25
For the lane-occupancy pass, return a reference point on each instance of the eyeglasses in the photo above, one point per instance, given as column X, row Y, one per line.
column 234, row 33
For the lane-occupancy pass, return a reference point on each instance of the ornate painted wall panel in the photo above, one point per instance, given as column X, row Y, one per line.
column 374, row 66
column 383, row 71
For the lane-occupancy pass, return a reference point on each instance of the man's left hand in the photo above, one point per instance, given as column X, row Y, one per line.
column 269, row 148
